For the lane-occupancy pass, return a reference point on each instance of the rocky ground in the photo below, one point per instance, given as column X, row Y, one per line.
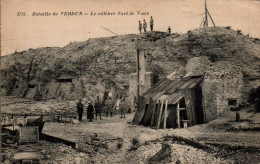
column 50, row 153
column 115, row 140
column 105, row 61
column 212, row 141
column 30, row 107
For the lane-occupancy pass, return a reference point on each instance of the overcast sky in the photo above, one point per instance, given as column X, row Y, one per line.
column 24, row 32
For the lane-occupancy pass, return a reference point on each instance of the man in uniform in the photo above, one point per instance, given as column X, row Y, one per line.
column 98, row 107
column 169, row 30
column 80, row 108
column 123, row 107
column 151, row 23
column 109, row 106
column 144, row 26
column 140, row 27
column 90, row 112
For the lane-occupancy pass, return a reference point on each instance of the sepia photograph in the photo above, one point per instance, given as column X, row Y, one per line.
column 130, row 81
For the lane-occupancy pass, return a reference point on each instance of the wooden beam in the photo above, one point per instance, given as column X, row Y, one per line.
column 138, row 75
column 211, row 18
column 165, row 114
column 178, row 115
column 66, row 141
column 159, row 118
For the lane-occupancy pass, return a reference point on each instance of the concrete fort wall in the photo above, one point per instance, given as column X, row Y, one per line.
column 221, row 88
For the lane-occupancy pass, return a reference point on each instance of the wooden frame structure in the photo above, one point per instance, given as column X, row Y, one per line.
column 163, row 110
column 170, row 104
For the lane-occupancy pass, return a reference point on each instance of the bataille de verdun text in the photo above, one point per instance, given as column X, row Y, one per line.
column 92, row 13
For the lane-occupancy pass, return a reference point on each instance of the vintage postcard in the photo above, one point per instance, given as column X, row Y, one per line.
column 131, row 82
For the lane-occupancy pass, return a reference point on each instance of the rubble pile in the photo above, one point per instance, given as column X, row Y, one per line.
column 37, row 108
column 95, row 145
column 153, row 36
column 62, row 108
column 197, row 65
column 104, row 58
column 49, row 153
column 223, row 69
column 143, row 153
column 178, row 153
column 60, row 153
column 171, row 152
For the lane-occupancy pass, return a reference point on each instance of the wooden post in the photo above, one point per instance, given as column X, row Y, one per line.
column 206, row 14
column 138, row 77
column 165, row 114
column 178, row 115
column 159, row 117
column 153, row 111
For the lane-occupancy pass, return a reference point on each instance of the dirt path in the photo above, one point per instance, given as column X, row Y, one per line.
column 120, row 142
column 114, row 135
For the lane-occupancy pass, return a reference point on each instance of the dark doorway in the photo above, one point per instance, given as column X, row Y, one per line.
column 155, row 79
column 198, row 105
column 171, row 120
column 142, row 121
column 183, row 113
column 232, row 102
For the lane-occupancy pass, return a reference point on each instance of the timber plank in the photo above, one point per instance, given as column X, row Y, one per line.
column 140, row 111
column 175, row 88
column 149, row 113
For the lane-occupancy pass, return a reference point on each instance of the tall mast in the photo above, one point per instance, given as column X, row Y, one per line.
column 204, row 22
column 206, row 15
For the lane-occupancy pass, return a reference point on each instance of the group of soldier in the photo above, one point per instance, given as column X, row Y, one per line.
column 122, row 105
column 144, row 26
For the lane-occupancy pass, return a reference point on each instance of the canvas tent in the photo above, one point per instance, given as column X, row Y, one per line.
column 171, row 104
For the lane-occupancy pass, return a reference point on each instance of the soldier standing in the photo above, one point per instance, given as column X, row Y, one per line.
column 144, row 26
column 169, row 30
column 140, row 27
column 122, row 108
column 98, row 107
column 90, row 112
column 80, row 109
column 109, row 106
column 151, row 23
